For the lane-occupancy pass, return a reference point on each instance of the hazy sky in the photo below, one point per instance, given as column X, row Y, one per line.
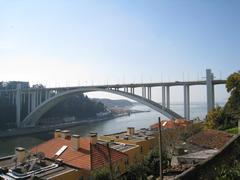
column 67, row 42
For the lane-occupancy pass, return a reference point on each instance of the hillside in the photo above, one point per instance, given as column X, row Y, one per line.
column 110, row 103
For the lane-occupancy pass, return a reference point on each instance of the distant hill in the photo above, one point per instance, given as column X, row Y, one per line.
column 110, row 103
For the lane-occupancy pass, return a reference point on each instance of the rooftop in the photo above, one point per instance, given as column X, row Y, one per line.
column 119, row 146
column 138, row 135
column 33, row 167
column 170, row 124
column 88, row 156
column 210, row 139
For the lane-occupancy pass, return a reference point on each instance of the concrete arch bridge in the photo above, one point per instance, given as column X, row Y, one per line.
column 32, row 118
column 39, row 100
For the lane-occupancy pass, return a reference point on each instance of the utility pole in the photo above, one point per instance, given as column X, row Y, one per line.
column 110, row 161
column 160, row 148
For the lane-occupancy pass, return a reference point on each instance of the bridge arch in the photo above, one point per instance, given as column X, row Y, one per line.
column 32, row 118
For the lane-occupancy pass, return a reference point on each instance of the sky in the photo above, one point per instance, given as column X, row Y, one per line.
column 79, row 42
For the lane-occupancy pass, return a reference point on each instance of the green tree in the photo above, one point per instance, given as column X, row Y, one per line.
column 228, row 116
column 215, row 118
column 101, row 174
column 138, row 171
column 232, row 107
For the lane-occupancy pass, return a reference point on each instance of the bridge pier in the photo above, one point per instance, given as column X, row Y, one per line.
column 33, row 101
column 40, row 97
column 37, row 98
column 29, row 102
column 13, row 98
column 168, row 97
column 163, row 97
column 144, row 92
column 210, row 90
column 149, row 93
column 132, row 90
column 186, row 102
column 18, row 105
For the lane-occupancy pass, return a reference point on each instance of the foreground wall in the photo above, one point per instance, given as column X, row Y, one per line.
column 208, row 169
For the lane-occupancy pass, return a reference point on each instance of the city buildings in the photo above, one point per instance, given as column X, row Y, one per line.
column 74, row 157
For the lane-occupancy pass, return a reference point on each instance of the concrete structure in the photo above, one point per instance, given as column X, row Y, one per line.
column 39, row 100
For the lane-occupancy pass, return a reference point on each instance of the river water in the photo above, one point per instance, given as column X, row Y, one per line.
column 138, row 120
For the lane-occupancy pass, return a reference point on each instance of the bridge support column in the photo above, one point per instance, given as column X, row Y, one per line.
column 46, row 95
column 9, row 98
column 149, row 93
column 13, row 98
column 144, row 92
column 29, row 102
column 210, row 90
column 40, row 97
column 186, row 102
column 37, row 98
column 132, row 90
column 163, row 97
column 18, row 105
column 33, row 103
column 168, row 97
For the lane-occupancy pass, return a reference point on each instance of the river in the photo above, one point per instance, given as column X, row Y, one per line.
column 138, row 120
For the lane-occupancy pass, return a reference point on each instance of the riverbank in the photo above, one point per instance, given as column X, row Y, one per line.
column 44, row 128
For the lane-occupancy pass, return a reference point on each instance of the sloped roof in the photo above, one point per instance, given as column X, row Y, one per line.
column 87, row 157
column 170, row 124
column 210, row 138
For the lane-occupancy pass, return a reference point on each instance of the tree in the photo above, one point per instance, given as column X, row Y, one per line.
column 101, row 174
column 138, row 171
column 228, row 116
column 215, row 118
column 232, row 107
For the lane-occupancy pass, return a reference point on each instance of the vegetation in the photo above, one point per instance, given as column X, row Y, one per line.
column 138, row 171
column 226, row 172
column 101, row 174
column 228, row 116
column 149, row 166
column 79, row 106
column 232, row 130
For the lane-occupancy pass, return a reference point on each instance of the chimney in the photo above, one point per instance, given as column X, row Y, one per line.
column 93, row 138
column 20, row 154
column 65, row 134
column 57, row 133
column 130, row 131
column 75, row 142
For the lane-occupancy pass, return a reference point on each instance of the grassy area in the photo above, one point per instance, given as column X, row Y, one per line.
column 232, row 130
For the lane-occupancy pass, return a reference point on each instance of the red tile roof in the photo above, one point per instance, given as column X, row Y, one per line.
column 87, row 157
column 210, row 139
column 100, row 155
column 170, row 124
